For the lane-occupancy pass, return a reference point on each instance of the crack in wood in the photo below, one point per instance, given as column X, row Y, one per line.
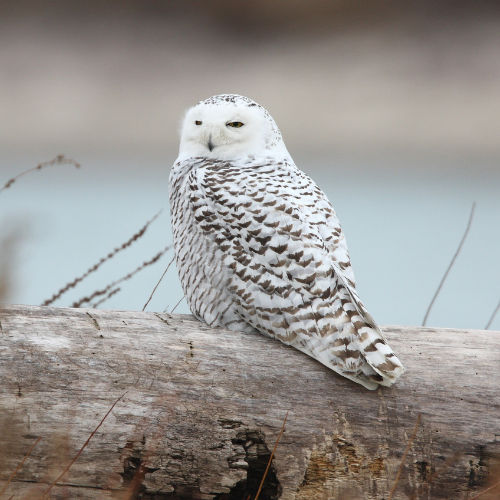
column 161, row 318
column 94, row 321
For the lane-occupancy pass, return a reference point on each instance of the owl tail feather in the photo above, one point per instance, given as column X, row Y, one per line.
column 367, row 359
column 382, row 365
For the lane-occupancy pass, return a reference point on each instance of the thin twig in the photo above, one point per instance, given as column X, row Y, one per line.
column 157, row 284
column 113, row 284
column 58, row 160
column 19, row 466
column 271, row 457
column 403, row 459
column 75, row 458
column 101, row 261
column 481, row 493
column 150, row 444
column 492, row 317
column 178, row 302
column 136, row 482
column 95, row 305
column 443, row 279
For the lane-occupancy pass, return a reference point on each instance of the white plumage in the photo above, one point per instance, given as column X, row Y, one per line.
column 259, row 246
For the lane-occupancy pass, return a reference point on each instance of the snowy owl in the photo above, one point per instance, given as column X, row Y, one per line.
column 259, row 247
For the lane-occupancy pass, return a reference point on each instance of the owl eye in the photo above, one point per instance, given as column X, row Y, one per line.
column 235, row 124
column 198, row 122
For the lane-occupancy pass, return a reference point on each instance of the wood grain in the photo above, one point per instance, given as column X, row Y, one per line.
column 202, row 410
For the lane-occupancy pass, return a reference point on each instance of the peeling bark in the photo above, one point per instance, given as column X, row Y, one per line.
column 203, row 408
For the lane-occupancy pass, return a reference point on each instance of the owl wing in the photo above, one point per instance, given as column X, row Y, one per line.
column 281, row 273
column 318, row 210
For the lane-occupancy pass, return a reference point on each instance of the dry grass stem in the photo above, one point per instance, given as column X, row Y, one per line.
column 454, row 258
column 95, row 305
column 136, row 483
column 157, row 284
column 101, row 261
column 151, row 443
column 75, row 458
column 137, row 480
column 58, row 160
column 492, row 317
column 178, row 302
column 271, row 457
column 403, row 459
column 18, row 468
column 112, row 285
column 481, row 493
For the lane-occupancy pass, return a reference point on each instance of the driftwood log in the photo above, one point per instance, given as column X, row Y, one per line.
column 202, row 408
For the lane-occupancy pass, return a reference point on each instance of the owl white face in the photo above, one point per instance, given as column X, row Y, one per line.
column 223, row 131
column 228, row 127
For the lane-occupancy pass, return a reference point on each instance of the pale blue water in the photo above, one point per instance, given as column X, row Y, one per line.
column 403, row 223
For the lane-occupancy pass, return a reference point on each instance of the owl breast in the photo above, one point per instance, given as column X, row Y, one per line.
column 199, row 259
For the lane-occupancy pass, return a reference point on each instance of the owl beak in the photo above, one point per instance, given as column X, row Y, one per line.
column 210, row 144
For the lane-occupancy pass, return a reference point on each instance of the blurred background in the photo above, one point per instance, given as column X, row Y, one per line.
column 393, row 107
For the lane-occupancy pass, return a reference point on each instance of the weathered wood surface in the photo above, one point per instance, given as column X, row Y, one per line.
column 203, row 408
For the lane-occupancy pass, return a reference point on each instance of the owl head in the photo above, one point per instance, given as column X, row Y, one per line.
column 228, row 127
